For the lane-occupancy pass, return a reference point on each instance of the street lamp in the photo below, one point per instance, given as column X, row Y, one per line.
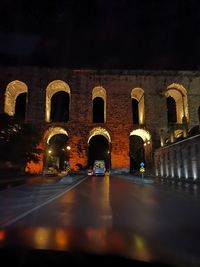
column 49, row 151
column 147, row 143
column 68, row 149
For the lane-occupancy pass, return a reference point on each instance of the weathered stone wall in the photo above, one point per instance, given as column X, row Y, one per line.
column 118, row 86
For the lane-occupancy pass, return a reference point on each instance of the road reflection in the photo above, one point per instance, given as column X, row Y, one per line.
column 96, row 241
column 91, row 240
column 90, row 206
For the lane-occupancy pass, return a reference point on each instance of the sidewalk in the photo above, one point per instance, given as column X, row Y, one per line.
column 135, row 179
column 176, row 180
column 27, row 177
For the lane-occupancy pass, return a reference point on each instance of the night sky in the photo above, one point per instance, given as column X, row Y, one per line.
column 118, row 34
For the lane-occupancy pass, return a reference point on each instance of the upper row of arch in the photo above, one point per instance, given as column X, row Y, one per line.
column 15, row 88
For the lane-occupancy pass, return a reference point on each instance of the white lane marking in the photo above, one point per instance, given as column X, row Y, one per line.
column 41, row 205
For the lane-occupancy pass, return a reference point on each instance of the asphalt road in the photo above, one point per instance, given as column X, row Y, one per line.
column 155, row 214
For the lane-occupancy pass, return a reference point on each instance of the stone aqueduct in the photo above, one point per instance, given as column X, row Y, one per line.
column 116, row 89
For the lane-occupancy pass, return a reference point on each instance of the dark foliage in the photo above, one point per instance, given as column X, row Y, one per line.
column 18, row 142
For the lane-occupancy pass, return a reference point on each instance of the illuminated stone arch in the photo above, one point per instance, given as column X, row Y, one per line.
column 52, row 88
column 144, row 134
column 140, row 148
column 99, row 137
column 53, row 131
column 54, row 151
column 179, row 94
column 138, row 94
column 100, row 92
column 99, row 131
column 13, row 90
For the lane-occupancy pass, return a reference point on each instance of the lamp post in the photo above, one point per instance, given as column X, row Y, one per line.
column 67, row 162
column 47, row 159
column 68, row 152
column 147, row 150
column 108, row 161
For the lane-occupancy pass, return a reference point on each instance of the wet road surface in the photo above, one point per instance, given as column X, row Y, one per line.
column 166, row 217
column 18, row 201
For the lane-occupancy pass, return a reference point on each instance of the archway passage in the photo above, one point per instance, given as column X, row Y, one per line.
column 56, row 151
column 99, row 149
column 98, row 110
column 137, row 152
column 20, row 107
column 60, row 107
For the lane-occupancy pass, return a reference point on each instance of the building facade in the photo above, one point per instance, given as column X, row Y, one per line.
column 154, row 106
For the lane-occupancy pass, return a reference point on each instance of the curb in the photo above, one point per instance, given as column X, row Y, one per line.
column 135, row 179
column 177, row 180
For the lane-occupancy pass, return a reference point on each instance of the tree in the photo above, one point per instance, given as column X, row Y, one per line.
column 19, row 141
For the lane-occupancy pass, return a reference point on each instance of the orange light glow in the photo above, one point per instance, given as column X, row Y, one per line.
column 36, row 168
column 2, row 235
column 62, row 239
column 41, row 237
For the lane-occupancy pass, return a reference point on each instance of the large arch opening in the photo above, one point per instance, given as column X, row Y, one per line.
column 135, row 111
column 57, row 149
column 98, row 110
column 139, row 148
column 137, row 155
column 57, row 154
column 99, row 147
column 99, row 105
column 16, row 99
column 137, row 101
column 177, row 103
column 20, row 107
column 57, row 107
column 171, row 110
column 60, row 107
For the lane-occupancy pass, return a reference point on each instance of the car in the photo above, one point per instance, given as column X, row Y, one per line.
column 99, row 167
column 51, row 171
column 90, row 172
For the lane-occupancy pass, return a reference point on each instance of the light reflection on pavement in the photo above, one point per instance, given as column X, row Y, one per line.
column 144, row 221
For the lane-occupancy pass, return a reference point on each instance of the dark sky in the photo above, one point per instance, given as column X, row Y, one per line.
column 125, row 34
